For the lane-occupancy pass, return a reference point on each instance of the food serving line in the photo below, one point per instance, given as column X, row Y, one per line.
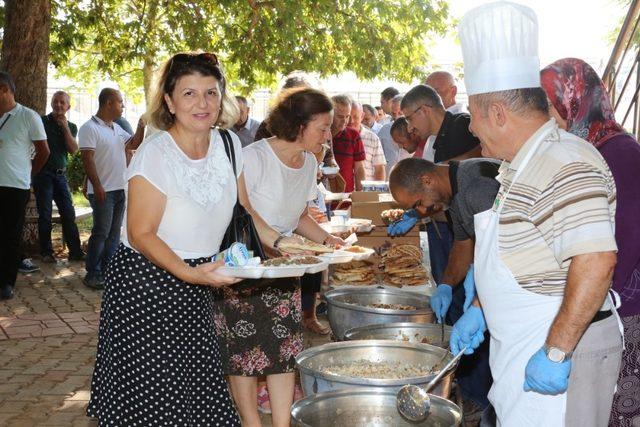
column 382, row 324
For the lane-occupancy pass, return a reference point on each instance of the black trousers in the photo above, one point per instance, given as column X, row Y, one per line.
column 13, row 204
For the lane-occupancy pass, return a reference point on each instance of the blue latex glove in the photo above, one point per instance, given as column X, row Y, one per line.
column 406, row 223
column 468, row 331
column 441, row 300
column 469, row 289
column 544, row 376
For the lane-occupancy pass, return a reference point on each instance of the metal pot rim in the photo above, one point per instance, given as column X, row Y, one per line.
column 330, row 297
column 398, row 325
column 299, row 405
column 335, row 346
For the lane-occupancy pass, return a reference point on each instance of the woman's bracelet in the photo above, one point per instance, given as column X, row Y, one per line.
column 278, row 240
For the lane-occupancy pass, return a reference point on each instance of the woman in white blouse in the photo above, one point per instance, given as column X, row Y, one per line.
column 158, row 359
column 262, row 329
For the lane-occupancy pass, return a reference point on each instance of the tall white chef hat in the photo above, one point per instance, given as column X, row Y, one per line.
column 500, row 48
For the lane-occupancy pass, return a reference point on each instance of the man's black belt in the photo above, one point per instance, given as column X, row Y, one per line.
column 56, row 171
column 601, row 315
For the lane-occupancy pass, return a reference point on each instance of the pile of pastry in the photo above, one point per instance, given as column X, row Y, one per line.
column 402, row 265
column 355, row 273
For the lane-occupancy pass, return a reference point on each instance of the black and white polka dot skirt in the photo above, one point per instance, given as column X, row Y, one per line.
column 158, row 362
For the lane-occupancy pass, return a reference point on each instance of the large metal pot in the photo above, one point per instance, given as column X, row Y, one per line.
column 366, row 407
column 313, row 362
column 425, row 333
column 347, row 308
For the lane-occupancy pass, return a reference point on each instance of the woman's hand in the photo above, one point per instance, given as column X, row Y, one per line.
column 334, row 241
column 206, row 275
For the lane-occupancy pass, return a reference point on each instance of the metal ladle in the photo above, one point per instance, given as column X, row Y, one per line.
column 413, row 402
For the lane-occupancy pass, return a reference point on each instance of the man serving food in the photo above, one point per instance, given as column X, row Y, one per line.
column 545, row 251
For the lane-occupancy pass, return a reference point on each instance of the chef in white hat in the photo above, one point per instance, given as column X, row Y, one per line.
column 545, row 252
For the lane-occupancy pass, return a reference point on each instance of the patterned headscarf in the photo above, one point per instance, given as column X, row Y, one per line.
column 580, row 97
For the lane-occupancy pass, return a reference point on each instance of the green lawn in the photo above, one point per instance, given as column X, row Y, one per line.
column 79, row 200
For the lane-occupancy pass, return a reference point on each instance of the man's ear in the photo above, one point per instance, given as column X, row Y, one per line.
column 498, row 114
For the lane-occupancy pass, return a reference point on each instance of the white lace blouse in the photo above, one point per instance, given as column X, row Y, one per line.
column 200, row 193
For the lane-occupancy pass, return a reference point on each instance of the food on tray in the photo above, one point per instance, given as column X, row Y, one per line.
column 391, row 215
column 385, row 306
column 416, row 338
column 360, row 222
column 307, row 260
column 402, row 266
column 305, row 245
column 284, row 261
column 355, row 249
column 392, row 306
column 377, row 370
column 354, row 273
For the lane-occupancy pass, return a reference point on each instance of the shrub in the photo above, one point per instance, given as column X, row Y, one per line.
column 75, row 172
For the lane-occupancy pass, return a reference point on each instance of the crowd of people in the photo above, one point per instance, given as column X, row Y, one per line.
column 528, row 201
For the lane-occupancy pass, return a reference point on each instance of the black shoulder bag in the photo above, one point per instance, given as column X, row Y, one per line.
column 241, row 229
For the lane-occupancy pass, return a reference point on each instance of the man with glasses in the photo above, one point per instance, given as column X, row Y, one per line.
column 426, row 115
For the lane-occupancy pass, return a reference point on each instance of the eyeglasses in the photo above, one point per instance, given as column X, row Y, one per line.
column 409, row 116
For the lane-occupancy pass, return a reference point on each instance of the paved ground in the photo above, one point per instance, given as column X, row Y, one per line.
column 48, row 336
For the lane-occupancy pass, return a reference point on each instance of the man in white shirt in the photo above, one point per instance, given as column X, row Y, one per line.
column 246, row 127
column 374, row 165
column 392, row 151
column 102, row 147
column 443, row 83
column 21, row 130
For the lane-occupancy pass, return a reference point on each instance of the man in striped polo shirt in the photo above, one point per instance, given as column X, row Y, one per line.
column 545, row 252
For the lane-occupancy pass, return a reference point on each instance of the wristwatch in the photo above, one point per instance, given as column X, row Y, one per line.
column 556, row 355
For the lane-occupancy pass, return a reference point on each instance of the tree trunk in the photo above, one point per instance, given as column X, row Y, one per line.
column 25, row 49
column 147, row 74
column 25, row 55
column 148, row 68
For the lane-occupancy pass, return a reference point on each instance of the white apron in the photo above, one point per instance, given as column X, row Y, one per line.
column 518, row 321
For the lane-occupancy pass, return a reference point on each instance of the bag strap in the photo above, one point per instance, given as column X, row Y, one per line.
column 228, row 148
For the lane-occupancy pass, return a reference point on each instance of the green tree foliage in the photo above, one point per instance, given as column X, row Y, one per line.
column 256, row 40
column 75, row 172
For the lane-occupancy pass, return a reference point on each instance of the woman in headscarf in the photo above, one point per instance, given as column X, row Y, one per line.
column 581, row 105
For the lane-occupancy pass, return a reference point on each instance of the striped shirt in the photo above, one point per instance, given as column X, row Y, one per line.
column 562, row 205
column 373, row 151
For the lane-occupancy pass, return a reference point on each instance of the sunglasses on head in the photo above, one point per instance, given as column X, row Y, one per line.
column 187, row 58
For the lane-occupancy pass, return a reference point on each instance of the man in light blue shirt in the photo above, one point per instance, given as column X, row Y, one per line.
column 246, row 127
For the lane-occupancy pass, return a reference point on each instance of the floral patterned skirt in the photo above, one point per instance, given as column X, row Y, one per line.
column 259, row 330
